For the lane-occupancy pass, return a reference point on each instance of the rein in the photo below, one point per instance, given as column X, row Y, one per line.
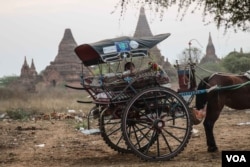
column 233, row 87
column 215, row 88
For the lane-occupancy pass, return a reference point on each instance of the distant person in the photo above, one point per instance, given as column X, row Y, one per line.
column 129, row 66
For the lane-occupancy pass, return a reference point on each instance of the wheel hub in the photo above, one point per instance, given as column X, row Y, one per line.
column 159, row 124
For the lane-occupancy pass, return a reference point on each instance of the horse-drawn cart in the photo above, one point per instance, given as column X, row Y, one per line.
column 137, row 110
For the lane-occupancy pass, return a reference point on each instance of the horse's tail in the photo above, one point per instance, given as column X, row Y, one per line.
column 201, row 99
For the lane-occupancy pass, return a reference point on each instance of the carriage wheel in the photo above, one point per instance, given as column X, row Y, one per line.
column 156, row 124
column 111, row 133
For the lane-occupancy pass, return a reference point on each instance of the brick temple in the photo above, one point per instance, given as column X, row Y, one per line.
column 66, row 66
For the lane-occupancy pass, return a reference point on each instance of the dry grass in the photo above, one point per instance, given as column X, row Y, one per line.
column 44, row 101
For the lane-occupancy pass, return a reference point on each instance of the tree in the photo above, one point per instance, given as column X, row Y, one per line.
column 6, row 80
column 227, row 13
column 237, row 62
column 192, row 52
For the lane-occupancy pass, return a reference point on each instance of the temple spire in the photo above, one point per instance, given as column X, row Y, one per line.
column 25, row 64
column 25, row 69
column 66, row 48
column 210, row 42
column 142, row 28
column 210, row 47
column 210, row 52
column 241, row 50
column 33, row 69
column 32, row 64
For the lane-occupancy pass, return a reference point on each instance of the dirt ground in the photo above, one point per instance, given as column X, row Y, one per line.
column 57, row 143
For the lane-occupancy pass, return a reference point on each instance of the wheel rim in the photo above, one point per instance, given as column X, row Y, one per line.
column 156, row 124
column 111, row 133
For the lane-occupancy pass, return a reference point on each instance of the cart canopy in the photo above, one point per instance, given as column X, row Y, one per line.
column 116, row 49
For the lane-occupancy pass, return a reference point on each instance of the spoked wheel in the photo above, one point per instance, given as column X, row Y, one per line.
column 156, row 124
column 111, row 133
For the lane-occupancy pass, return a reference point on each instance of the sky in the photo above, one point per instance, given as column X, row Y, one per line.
column 34, row 28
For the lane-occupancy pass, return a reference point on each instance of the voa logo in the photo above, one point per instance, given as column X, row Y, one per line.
column 236, row 158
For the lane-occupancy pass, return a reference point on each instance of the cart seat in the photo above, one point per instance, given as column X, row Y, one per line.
column 122, row 86
column 112, row 79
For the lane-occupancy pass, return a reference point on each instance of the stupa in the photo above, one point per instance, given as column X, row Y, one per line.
column 28, row 78
column 67, row 66
column 143, row 30
column 210, row 53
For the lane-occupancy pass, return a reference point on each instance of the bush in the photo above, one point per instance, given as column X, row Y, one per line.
column 20, row 113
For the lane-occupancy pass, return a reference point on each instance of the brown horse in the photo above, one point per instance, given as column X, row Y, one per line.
column 232, row 91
